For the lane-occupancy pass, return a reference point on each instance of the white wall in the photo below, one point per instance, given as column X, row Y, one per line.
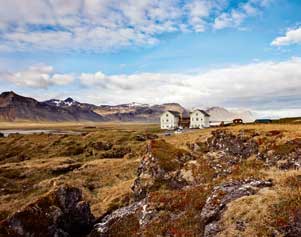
column 198, row 120
column 169, row 121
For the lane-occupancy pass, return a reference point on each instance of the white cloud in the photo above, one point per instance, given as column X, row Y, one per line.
column 198, row 12
column 38, row 76
column 97, row 25
column 256, row 85
column 262, row 86
column 292, row 36
column 236, row 16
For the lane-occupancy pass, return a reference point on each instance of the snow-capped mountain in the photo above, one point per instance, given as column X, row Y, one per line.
column 62, row 103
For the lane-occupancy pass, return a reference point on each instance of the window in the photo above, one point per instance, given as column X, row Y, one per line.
column 166, row 115
column 197, row 119
column 166, row 120
column 197, row 114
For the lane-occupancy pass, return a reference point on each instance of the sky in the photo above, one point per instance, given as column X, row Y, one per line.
column 238, row 54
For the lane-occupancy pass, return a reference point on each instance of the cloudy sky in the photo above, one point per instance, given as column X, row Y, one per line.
column 232, row 53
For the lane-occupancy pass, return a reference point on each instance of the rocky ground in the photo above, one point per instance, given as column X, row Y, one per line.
column 238, row 181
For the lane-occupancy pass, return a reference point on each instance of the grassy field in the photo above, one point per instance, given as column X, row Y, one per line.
column 76, row 125
column 103, row 161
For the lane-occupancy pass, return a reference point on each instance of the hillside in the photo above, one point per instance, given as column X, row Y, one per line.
column 238, row 181
column 137, row 112
column 14, row 107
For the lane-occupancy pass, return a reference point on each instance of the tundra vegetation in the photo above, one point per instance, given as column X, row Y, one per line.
column 242, row 180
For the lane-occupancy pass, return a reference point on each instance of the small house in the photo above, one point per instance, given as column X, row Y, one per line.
column 170, row 120
column 238, row 121
column 199, row 119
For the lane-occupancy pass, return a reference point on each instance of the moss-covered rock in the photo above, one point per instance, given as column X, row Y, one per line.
column 160, row 168
column 61, row 212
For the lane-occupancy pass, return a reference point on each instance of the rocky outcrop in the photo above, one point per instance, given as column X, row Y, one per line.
column 241, row 145
column 61, row 212
column 284, row 156
column 217, row 202
column 223, row 150
column 161, row 166
column 129, row 217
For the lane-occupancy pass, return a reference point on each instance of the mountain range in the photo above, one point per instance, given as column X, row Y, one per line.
column 14, row 107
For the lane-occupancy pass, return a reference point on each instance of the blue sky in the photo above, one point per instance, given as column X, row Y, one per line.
column 237, row 54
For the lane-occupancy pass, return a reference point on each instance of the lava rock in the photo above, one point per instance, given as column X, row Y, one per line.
column 217, row 202
column 160, row 166
column 61, row 212
column 128, row 217
column 241, row 145
column 284, row 156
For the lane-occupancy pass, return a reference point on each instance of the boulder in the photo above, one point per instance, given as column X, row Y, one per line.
column 124, row 220
column 61, row 212
column 222, row 195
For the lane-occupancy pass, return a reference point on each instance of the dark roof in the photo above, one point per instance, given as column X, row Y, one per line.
column 263, row 120
column 202, row 111
column 175, row 113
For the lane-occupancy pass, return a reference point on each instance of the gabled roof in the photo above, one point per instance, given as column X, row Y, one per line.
column 202, row 111
column 175, row 113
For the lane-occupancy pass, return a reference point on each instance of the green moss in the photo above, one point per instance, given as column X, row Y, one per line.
column 168, row 156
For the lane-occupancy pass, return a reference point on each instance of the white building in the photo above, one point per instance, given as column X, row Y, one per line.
column 199, row 119
column 170, row 120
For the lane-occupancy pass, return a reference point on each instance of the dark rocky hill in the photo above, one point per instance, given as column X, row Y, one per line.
column 14, row 107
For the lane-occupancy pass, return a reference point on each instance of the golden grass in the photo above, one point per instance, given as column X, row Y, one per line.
column 26, row 163
column 30, row 165
column 78, row 125
column 263, row 213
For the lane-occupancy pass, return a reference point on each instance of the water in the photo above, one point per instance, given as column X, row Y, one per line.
column 38, row 131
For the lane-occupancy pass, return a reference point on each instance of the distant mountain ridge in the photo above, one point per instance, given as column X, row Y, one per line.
column 222, row 114
column 14, row 107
